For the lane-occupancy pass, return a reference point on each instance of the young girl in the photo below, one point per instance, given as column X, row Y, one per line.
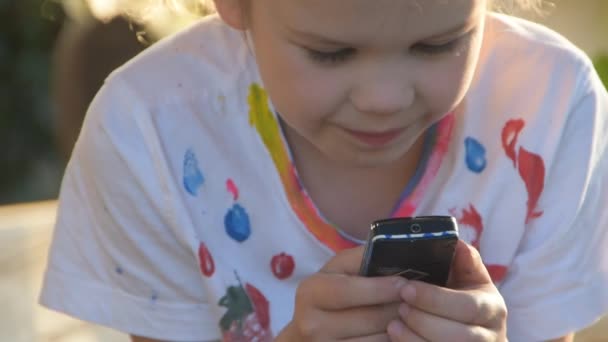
column 225, row 179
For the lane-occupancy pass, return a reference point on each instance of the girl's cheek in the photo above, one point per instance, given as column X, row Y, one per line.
column 440, row 87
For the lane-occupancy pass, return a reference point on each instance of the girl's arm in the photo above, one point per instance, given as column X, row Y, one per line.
column 567, row 338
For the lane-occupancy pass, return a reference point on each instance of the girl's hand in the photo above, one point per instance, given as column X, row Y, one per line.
column 471, row 309
column 336, row 304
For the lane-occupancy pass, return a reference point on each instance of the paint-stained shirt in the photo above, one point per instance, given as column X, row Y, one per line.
column 182, row 216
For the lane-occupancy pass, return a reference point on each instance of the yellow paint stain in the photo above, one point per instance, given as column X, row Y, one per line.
column 265, row 122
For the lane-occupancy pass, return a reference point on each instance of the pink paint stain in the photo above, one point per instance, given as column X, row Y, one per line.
column 471, row 218
column 530, row 166
column 510, row 134
column 231, row 187
column 444, row 132
column 497, row 272
column 532, row 170
column 207, row 264
column 282, row 266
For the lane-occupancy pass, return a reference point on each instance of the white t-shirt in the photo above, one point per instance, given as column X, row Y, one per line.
column 182, row 218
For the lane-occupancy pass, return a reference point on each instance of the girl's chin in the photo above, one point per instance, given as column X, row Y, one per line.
column 365, row 159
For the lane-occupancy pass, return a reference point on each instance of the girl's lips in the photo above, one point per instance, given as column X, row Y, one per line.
column 376, row 139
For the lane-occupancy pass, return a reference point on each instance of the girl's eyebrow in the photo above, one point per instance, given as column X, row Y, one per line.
column 311, row 36
column 455, row 30
column 316, row 37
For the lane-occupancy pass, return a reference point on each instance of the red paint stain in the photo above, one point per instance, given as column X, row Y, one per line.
column 231, row 187
column 510, row 134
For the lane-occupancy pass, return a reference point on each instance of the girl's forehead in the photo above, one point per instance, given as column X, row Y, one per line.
column 372, row 17
column 345, row 8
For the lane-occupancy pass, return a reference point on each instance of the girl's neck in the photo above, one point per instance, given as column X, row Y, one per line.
column 348, row 196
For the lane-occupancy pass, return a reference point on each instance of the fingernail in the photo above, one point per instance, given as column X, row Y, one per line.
column 404, row 309
column 400, row 282
column 395, row 328
column 408, row 293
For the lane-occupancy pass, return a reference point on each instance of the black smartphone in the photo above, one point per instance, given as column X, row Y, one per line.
column 418, row 248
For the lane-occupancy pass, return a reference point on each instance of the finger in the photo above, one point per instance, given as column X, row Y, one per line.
column 347, row 261
column 435, row 328
column 468, row 270
column 399, row 332
column 362, row 321
column 373, row 338
column 338, row 292
column 346, row 324
column 479, row 307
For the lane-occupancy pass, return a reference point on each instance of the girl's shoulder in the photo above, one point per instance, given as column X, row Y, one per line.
column 532, row 88
column 528, row 69
column 508, row 36
column 206, row 60
column 524, row 55
column 186, row 95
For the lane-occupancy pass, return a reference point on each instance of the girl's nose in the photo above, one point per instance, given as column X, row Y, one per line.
column 383, row 95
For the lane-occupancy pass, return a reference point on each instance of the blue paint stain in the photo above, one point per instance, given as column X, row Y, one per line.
column 119, row 270
column 154, row 297
column 193, row 177
column 475, row 155
column 237, row 223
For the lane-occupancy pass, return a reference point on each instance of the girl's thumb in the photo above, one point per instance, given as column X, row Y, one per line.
column 468, row 269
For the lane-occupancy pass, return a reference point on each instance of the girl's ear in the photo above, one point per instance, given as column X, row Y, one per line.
column 232, row 12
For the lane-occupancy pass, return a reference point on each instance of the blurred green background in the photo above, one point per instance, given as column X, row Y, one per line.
column 29, row 164
column 46, row 50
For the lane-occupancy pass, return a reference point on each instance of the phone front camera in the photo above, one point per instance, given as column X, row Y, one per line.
column 415, row 228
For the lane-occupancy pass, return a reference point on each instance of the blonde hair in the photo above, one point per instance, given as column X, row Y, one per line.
column 171, row 15
column 518, row 6
column 179, row 7
column 147, row 10
column 144, row 8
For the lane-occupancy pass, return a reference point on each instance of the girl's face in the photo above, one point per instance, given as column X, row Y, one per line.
column 361, row 80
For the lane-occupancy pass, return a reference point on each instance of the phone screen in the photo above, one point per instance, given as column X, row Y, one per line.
column 426, row 259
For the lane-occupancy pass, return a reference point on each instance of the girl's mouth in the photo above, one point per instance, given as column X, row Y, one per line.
column 376, row 139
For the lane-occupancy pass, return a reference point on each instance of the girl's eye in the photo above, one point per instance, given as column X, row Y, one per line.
column 331, row 57
column 437, row 49
column 448, row 47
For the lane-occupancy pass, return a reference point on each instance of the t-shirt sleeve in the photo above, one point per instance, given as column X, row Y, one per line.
column 119, row 257
column 558, row 282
